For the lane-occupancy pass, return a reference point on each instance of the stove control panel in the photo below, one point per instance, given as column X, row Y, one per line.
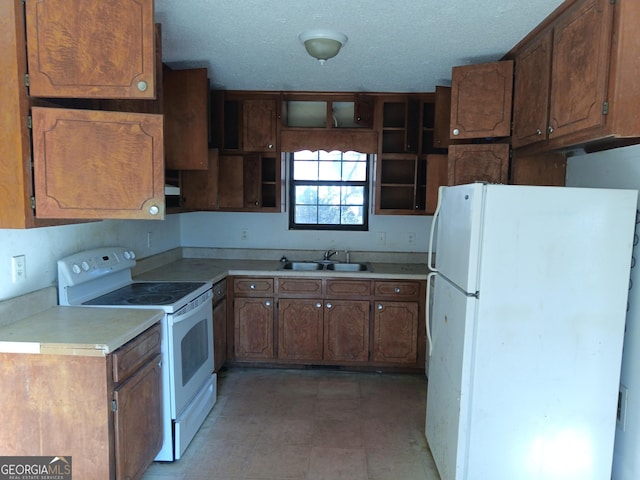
column 91, row 264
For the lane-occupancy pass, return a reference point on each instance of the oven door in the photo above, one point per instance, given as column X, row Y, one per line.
column 190, row 351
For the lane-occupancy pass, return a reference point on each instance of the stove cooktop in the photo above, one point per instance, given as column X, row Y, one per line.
column 147, row 293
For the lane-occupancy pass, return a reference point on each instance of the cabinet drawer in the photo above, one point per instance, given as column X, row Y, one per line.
column 397, row 289
column 253, row 286
column 360, row 288
column 219, row 291
column 135, row 353
column 306, row 286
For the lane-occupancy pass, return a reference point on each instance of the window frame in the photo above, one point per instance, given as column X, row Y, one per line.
column 366, row 184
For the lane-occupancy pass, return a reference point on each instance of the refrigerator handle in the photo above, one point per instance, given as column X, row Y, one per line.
column 427, row 309
column 431, row 266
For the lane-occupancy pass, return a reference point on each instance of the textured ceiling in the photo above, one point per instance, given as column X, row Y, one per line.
column 393, row 46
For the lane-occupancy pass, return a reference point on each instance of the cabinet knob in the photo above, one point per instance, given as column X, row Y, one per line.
column 270, row 146
column 397, row 289
column 456, row 131
column 379, row 306
column 329, row 305
column 252, row 286
column 142, row 85
column 550, row 129
column 318, row 305
column 267, row 303
column 538, row 131
column 153, row 209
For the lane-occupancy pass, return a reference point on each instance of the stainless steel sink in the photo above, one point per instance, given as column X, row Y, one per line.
column 306, row 266
column 348, row 267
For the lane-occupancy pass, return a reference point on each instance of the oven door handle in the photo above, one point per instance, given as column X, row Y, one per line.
column 203, row 301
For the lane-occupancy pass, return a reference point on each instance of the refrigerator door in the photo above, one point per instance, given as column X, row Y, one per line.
column 449, row 385
column 459, row 222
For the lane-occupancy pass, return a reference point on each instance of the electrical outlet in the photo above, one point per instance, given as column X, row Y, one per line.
column 18, row 268
column 411, row 238
column 244, row 234
column 381, row 238
column 623, row 395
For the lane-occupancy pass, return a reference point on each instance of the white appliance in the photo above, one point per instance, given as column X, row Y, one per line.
column 102, row 278
column 526, row 331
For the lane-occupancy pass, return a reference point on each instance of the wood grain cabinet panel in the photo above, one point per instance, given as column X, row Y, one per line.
column 95, row 164
column 395, row 327
column 478, row 163
column 253, row 324
column 346, row 331
column 576, row 79
column 91, row 49
column 300, row 329
column 260, row 124
column 481, row 98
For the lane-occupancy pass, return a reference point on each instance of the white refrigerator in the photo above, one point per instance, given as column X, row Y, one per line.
column 526, row 330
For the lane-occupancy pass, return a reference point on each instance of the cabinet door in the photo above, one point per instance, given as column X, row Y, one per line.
column 478, row 163
column 219, row 334
column 481, row 100
column 199, row 189
column 395, row 332
column 436, row 176
column 253, row 324
column 531, row 92
column 231, row 181
column 185, row 100
column 96, row 165
column 346, row 331
column 260, row 125
column 138, row 421
column 91, row 49
column 300, row 329
column 580, row 66
column 442, row 117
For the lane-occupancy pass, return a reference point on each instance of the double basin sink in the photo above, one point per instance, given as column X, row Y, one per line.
column 327, row 265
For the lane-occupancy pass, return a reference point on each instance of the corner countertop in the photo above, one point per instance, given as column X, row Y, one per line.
column 82, row 331
column 214, row 270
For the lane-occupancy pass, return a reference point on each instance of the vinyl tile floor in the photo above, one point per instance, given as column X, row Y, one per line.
column 277, row 424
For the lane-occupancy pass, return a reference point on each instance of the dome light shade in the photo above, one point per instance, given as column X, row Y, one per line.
column 322, row 44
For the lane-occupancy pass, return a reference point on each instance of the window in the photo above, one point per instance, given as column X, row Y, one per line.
column 329, row 190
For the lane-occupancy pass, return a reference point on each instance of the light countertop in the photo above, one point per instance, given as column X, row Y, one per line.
column 83, row 331
column 214, row 270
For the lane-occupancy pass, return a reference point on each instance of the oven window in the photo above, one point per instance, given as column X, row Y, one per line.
column 195, row 350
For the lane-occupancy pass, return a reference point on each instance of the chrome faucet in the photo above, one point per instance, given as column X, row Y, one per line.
column 329, row 253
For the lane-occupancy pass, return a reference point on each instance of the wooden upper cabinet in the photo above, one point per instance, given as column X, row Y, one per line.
column 481, row 100
column 576, row 79
column 91, row 49
column 531, row 92
column 185, row 100
column 478, row 163
column 579, row 67
column 92, row 164
column 442, row 117
column 260, row 124
column 364, row 110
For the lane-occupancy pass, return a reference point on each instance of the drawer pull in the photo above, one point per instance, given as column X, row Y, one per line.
column 397, row 289
column 318, row 305
column 329, row 305
column 252, row 286
column 380, row 306
column 268, row 303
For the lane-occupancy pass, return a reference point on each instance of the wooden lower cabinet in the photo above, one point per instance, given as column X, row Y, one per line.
column 253, row 328
column 219, row 325
column 300, row 331
column 103, row 411
column 395, row 327
column 329, row 321
column 346, row 331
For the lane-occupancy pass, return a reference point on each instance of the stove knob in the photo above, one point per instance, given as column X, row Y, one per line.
column 85, row 266
column 132, row 255
column 75, row 268
column 128, row 255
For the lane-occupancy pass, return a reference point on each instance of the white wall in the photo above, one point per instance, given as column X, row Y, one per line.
column 388, row 233
column 42, row 247
column 620, row 168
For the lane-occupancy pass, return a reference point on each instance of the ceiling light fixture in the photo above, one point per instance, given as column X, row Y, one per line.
column 322, row 44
